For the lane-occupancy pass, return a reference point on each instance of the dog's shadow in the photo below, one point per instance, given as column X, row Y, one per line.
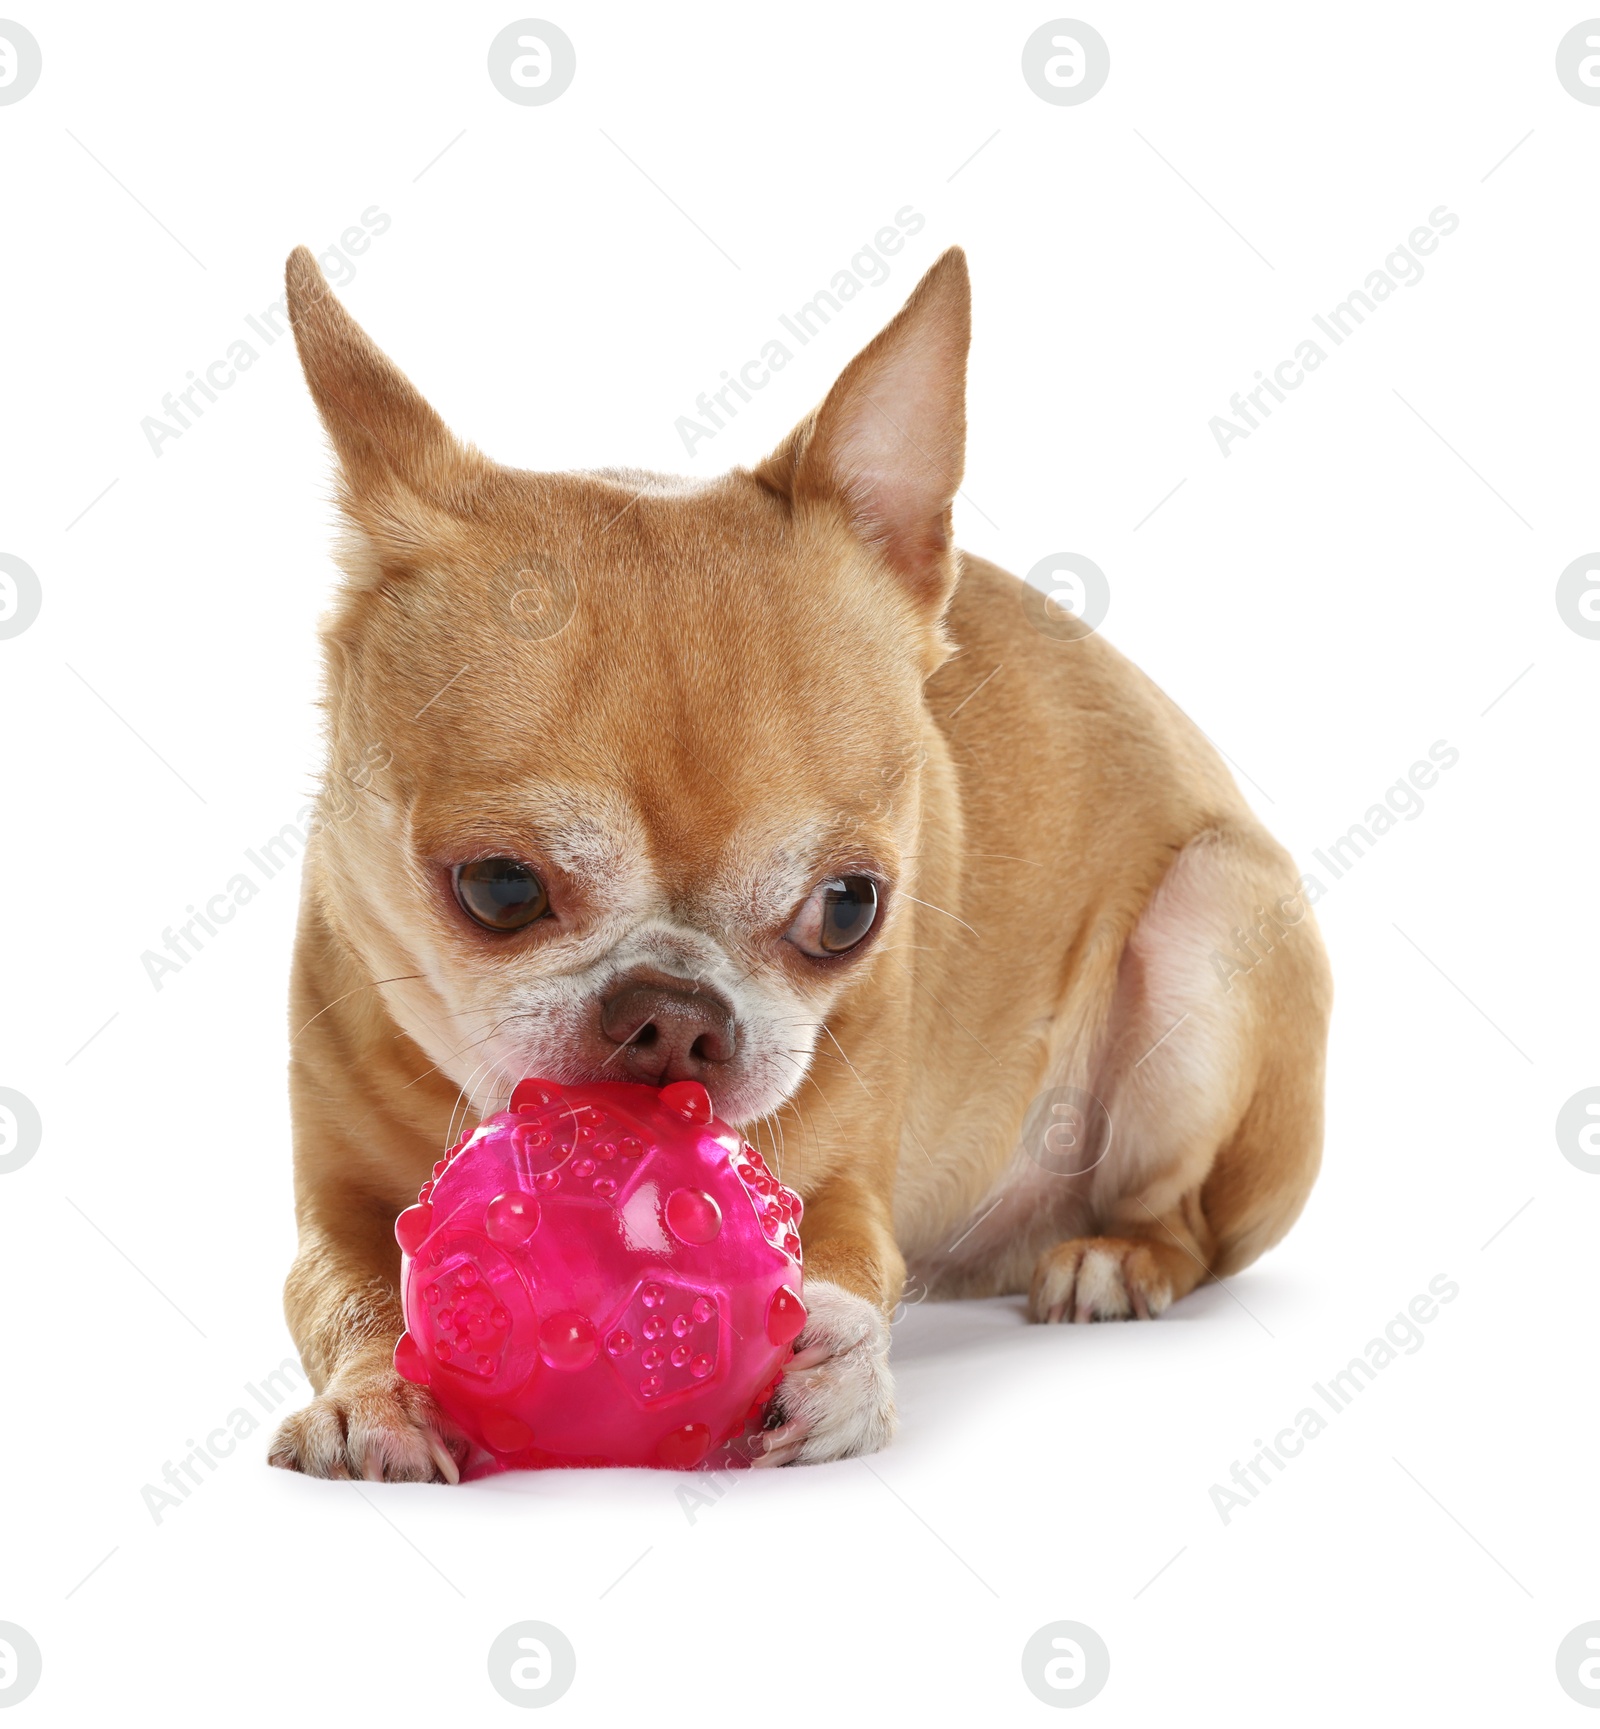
column 987, row 1345
column 956, row 1359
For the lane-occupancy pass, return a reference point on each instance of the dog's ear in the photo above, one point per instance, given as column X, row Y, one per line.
column 889, row 443
column 404, row 479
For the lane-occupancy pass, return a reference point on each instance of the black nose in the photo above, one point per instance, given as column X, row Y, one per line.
column 668, row 1032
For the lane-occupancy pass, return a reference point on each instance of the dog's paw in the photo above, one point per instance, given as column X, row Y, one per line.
column 378, row 1427
column 1099, row 1279
column 836, row 1398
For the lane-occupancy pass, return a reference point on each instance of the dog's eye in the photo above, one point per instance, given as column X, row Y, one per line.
column 501, row 894
column 836, row 916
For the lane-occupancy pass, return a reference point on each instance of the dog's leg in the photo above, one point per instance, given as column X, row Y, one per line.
column 358, row 1160
column 1134, row 1272
column 344, row 1313
column 1211, row 1073
column 837, row 1396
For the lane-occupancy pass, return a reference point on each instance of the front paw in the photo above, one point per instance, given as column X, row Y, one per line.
column 375, row 1426
column 837, row 1397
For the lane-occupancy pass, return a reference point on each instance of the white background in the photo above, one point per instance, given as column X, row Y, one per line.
column 1328, row 600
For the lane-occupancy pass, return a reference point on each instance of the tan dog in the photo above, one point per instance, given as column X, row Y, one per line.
column 759, row 780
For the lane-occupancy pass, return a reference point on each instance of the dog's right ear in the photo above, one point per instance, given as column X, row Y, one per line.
column 404, row 479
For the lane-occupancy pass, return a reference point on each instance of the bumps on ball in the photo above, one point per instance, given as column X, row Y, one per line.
column 683, row 1448
column 688, row 1099
column 511, row 1219
column 693, row 1216
column 534, row 1095
column 408, row 1361
column 786, row 1316
column 412, row 1227
column 568, row 1340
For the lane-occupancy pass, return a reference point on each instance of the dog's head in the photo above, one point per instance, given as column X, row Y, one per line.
column 625, row 771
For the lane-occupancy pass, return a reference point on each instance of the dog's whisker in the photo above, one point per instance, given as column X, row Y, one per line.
column 370, row 985
column 460, row 1051
column 846, row 1061
column 463, row 1105
column 791, row 1104
column 618, row 1052
column 945, row 910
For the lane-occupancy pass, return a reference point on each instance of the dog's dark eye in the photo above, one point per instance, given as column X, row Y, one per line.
column 836, row 916
column 501, row 894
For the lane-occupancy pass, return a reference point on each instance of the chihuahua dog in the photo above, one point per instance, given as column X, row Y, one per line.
column 760, row 781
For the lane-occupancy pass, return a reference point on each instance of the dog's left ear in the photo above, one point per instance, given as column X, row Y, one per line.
column 889, row 443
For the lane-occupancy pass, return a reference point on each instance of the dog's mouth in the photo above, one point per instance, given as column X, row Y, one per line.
column 744, row 1087
column 653, row 1026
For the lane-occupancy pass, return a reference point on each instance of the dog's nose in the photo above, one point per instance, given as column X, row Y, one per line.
column 668, row 1032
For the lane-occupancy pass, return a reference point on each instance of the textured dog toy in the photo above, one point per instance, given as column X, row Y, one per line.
column 603, row 1274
